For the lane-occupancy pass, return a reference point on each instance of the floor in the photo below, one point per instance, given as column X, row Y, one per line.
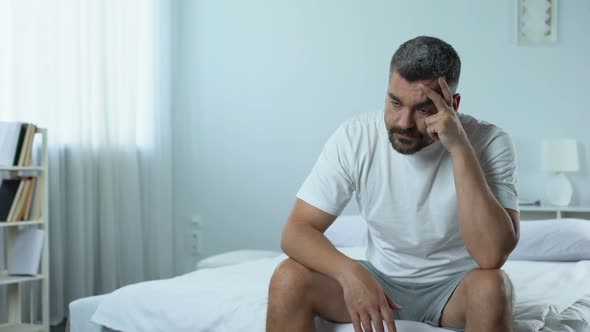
column 59, row 328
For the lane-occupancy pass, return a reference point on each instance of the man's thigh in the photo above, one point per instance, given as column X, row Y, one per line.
column 421, row 302
column 453, row 314
column 323, row 293
column 472, row 293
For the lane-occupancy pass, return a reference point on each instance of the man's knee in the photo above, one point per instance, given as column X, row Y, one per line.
column 289, row 280
column 488, row 286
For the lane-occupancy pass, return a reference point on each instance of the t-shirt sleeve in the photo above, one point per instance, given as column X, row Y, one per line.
column 329, row 186
column 499, row 167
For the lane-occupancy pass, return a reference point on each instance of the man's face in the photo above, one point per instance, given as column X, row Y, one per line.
column 406, row 108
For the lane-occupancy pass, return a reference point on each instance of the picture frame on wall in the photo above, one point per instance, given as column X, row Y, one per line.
column 537, row 21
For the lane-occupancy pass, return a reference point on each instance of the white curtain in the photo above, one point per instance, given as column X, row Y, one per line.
column 94, row 73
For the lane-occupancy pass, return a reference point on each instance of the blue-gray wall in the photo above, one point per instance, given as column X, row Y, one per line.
column 260, row 84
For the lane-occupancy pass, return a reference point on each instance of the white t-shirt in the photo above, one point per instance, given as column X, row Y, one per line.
column 408, row 201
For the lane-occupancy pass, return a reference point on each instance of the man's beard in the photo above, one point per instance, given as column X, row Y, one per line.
column 405, row 146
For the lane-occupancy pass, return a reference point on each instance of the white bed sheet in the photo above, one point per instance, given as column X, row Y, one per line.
column 574, row 319
column 234, row 298
column 81, row 312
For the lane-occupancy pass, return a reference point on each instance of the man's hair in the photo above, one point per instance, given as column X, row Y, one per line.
column 424, row 58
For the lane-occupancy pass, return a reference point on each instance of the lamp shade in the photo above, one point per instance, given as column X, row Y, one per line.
column 560, row 155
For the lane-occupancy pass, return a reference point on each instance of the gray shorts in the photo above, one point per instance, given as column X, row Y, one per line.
column 421, row 302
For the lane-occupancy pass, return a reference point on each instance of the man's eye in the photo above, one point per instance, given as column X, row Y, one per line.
column 395, row 103
column 424, row 111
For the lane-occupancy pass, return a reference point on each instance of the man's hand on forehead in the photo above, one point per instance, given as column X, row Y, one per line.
column 444, row 125
column 440, row 89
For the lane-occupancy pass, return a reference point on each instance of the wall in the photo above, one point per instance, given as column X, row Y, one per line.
column 187, row 176
column 261, row 84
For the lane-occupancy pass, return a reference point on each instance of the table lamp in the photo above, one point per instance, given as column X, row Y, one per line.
column 559, row 156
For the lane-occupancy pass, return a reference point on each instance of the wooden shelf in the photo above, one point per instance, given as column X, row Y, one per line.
column 6, row 279
column 21, row 328
column 20, row 223
column 21, row 168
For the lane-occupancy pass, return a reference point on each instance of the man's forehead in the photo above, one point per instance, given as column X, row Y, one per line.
column 407, row 91
column 400, row 82
column 412, row 101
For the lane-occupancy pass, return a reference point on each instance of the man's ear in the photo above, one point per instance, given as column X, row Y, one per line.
column 456, row 101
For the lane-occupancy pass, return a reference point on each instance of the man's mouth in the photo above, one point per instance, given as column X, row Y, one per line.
column 406, row 137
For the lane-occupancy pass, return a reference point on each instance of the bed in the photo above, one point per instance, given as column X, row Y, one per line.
column 550, row 270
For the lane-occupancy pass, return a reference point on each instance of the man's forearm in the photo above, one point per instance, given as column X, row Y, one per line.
column 311, row 248
column 486, row 227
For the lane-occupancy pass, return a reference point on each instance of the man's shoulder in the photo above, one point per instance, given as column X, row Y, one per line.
column 471, row 122
column 362, row 125
column 358, row 135
column 364, row 119
column 480, row 132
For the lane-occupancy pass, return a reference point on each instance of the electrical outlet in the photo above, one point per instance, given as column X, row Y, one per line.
column 193, row 236
column 193, row 243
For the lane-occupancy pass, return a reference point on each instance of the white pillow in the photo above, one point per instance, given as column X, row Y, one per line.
column 235, row 257
column 348, row 231
column 553, row 240
column 541, row 240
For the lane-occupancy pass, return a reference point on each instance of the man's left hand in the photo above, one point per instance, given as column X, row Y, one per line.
column 445, row 125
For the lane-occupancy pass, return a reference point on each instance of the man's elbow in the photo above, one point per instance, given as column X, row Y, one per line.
column 496, row 259
column 285, row 239
column 491, row 262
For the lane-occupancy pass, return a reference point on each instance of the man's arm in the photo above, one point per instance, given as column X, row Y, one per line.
column 489, row 231
column 303, row 240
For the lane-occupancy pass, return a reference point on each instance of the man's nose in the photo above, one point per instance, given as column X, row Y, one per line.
column 406, row 119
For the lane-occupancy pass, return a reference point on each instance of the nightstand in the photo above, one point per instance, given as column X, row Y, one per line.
column 535, row 212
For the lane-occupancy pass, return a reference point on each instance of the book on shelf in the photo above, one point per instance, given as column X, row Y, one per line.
column 26, row 211
column 20, row 199
column 19, row 144
column 37, row 199
column 19, row 213
column 16, row 143
column 27, row 149
column 8, row 191
column 16, row 201
column 9, row 135
column 26, row 252
column 20, row 190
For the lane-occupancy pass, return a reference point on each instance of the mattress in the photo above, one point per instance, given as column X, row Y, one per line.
column 575, row 318
column 550, row 296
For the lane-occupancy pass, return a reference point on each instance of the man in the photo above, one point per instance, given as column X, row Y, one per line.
column 437, row 189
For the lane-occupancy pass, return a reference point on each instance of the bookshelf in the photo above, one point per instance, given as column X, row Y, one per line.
column 15, row 284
